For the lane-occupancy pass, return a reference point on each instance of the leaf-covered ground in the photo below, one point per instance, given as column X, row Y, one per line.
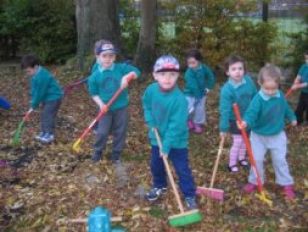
column 42, row 187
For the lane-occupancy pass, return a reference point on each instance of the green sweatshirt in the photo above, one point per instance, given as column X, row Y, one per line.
column 105, row 82
column 166, row 111
column 241, row 93
column 266, row 115
column 197, row 80
column 44, row 88
column 303, row 73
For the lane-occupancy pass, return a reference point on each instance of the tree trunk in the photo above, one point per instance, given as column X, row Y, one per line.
column 264, row 11
column 145, row 54
column 96, row 19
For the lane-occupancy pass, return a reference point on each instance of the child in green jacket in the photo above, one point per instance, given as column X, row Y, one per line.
column 266, row 116
column 238, row 89
column 165, row 108
column 45, row 91
column 199, row 80
column 103, row 83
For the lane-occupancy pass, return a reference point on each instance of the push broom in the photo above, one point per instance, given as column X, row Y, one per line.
column 19, row 130
column 289, row 92
column 184, row 218
column 262, row 196
column 216, row 194
column 76, row 145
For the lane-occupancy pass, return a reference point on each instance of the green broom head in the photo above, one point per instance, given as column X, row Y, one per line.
column 17, row 134
column 184, row 219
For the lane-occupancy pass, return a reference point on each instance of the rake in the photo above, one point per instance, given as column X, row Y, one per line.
column 20, row 128
column 262, row 196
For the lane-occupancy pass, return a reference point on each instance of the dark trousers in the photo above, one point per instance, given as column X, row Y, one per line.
column 302, row 108
column 179, row 158
column 114, row 122
column 49, row 115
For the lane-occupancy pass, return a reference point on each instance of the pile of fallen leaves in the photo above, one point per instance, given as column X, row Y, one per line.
column 44, row 186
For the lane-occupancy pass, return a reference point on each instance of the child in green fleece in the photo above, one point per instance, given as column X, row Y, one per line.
column 199, row 79
column 103, row 84
column 46, row 91
column 238, row 89
column 301, row 82
column 165, row 108
column 266, row 116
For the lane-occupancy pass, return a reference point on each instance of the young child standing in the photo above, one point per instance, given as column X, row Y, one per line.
column 238, row 89
column 103, row 83
column 266, row 117
column 301, row 82
column 165, row 108
column 199, row 79
column 46, row 91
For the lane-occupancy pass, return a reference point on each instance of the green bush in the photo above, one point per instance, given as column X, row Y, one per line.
column 44, row 27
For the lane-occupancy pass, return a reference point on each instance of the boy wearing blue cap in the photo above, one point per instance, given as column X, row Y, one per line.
column 45, row 91
column 103, row 83
column 165, row 108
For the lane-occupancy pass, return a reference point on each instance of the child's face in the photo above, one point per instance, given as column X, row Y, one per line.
column 166, row 80
column 106, row 59
column 30, row 71
column 270, row 87
column 192, row 62
column 236, row 71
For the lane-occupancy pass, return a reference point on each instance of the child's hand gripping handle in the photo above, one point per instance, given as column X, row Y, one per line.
column 171, row 179
column 27, row 115
column 262, row 195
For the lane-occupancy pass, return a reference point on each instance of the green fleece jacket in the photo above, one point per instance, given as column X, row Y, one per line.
column 240, row 93
column 44, row 88
column 266, row 115
column 198, row 80
column 105, row 82
column 166, row 111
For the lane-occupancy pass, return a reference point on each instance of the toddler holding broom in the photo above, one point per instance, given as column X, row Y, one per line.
column 199, row 79
column 165, row 108
column 265, row 116
column 301, row 82
column 45, row 91
column 238, row 89
column 103, row 83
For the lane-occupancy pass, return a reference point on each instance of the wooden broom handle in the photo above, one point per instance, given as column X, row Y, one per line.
column 171, row 179
column 220, row 149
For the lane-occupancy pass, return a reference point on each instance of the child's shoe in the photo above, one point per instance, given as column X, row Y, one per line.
column 249, row 188
column 191, row 203
column 288, row 192
column 198, row 129
column 244, row 163
column 47, row 138
column 191, row 125
column 155, row 193
column 233, row 168
column 39, row 136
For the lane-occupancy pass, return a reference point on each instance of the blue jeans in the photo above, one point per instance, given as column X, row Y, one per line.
column 179, row 158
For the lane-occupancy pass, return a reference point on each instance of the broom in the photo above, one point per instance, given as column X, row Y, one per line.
column 262, row 196
column 216, row 194
column 76, row 145
column 19, row 130
column 184, row 218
